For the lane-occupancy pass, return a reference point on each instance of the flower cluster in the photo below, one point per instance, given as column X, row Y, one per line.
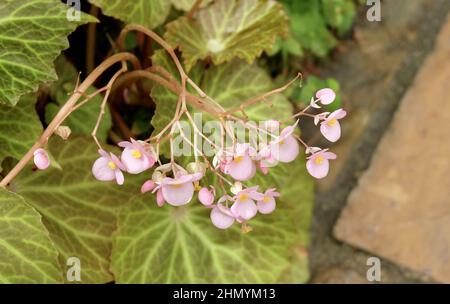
column 233, row 164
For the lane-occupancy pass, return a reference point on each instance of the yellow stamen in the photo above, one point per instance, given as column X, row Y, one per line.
column 282, row 142
column 332, row 122
column 238, row 159
column 112, row 165
column 197, row 187
column 319, row 160
column 243, row 197
column 136, row 153
column 266, row 199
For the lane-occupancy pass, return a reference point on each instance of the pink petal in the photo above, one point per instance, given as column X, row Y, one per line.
column 241, row 170
column 116, row 160
column 132, row 164
column 263, row 168
column 326, row 96
column 119, row 177
column 125, row 144
column 159, row 198
column 102, row 171
column 329, row 155
column 103, row 153
column 332, row 133
column 266, row 207
column 244, row 209
column 178, row 195
column 41, row 159
column 220, row 219
column 317, row 170
column 286, row 151
column 205, row 196
column 148, row 186
column 338, row 114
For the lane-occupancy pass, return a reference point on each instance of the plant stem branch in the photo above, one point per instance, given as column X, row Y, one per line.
column 67, row 108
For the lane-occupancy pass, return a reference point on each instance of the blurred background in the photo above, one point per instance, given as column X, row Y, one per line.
column 389, row 195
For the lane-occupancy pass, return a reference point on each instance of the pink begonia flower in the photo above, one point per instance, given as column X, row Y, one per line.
column 41, row 159
column 108, row 167
column 206, row 196
column 241, row 167
column 326, row 96
column 318, row 165
column 135, row 157
column 330, row 127
column 148, row 186
column 266, row 204
column 221, row 216
column 244, row 207
column 285, row 148
column 178, row 191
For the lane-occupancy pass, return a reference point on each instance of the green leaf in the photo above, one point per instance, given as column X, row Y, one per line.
column 149, row 13
column 27, row 255
column 228, row 29
column 186, row 5
column 309, row 28
column 339, row 14
column 19, row 128
column 233, row 83
column 180, row 245
column 78, row 211
column 83, row 120
column 32, row 34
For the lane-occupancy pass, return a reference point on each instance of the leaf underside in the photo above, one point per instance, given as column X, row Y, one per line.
column 228, row 29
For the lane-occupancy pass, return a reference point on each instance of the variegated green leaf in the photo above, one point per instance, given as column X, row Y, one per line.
column 180, row 245
column 27, row 255
column 186, row 5
column 228, row 29
column 78, row 211
column 32, row 34
column 149, row 13
column 19, row 128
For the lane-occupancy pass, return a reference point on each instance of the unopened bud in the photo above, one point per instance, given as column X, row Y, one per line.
column 63, row 132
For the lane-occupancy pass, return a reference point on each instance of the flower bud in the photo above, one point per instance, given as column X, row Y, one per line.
column 41, row 159
column 148, row 186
